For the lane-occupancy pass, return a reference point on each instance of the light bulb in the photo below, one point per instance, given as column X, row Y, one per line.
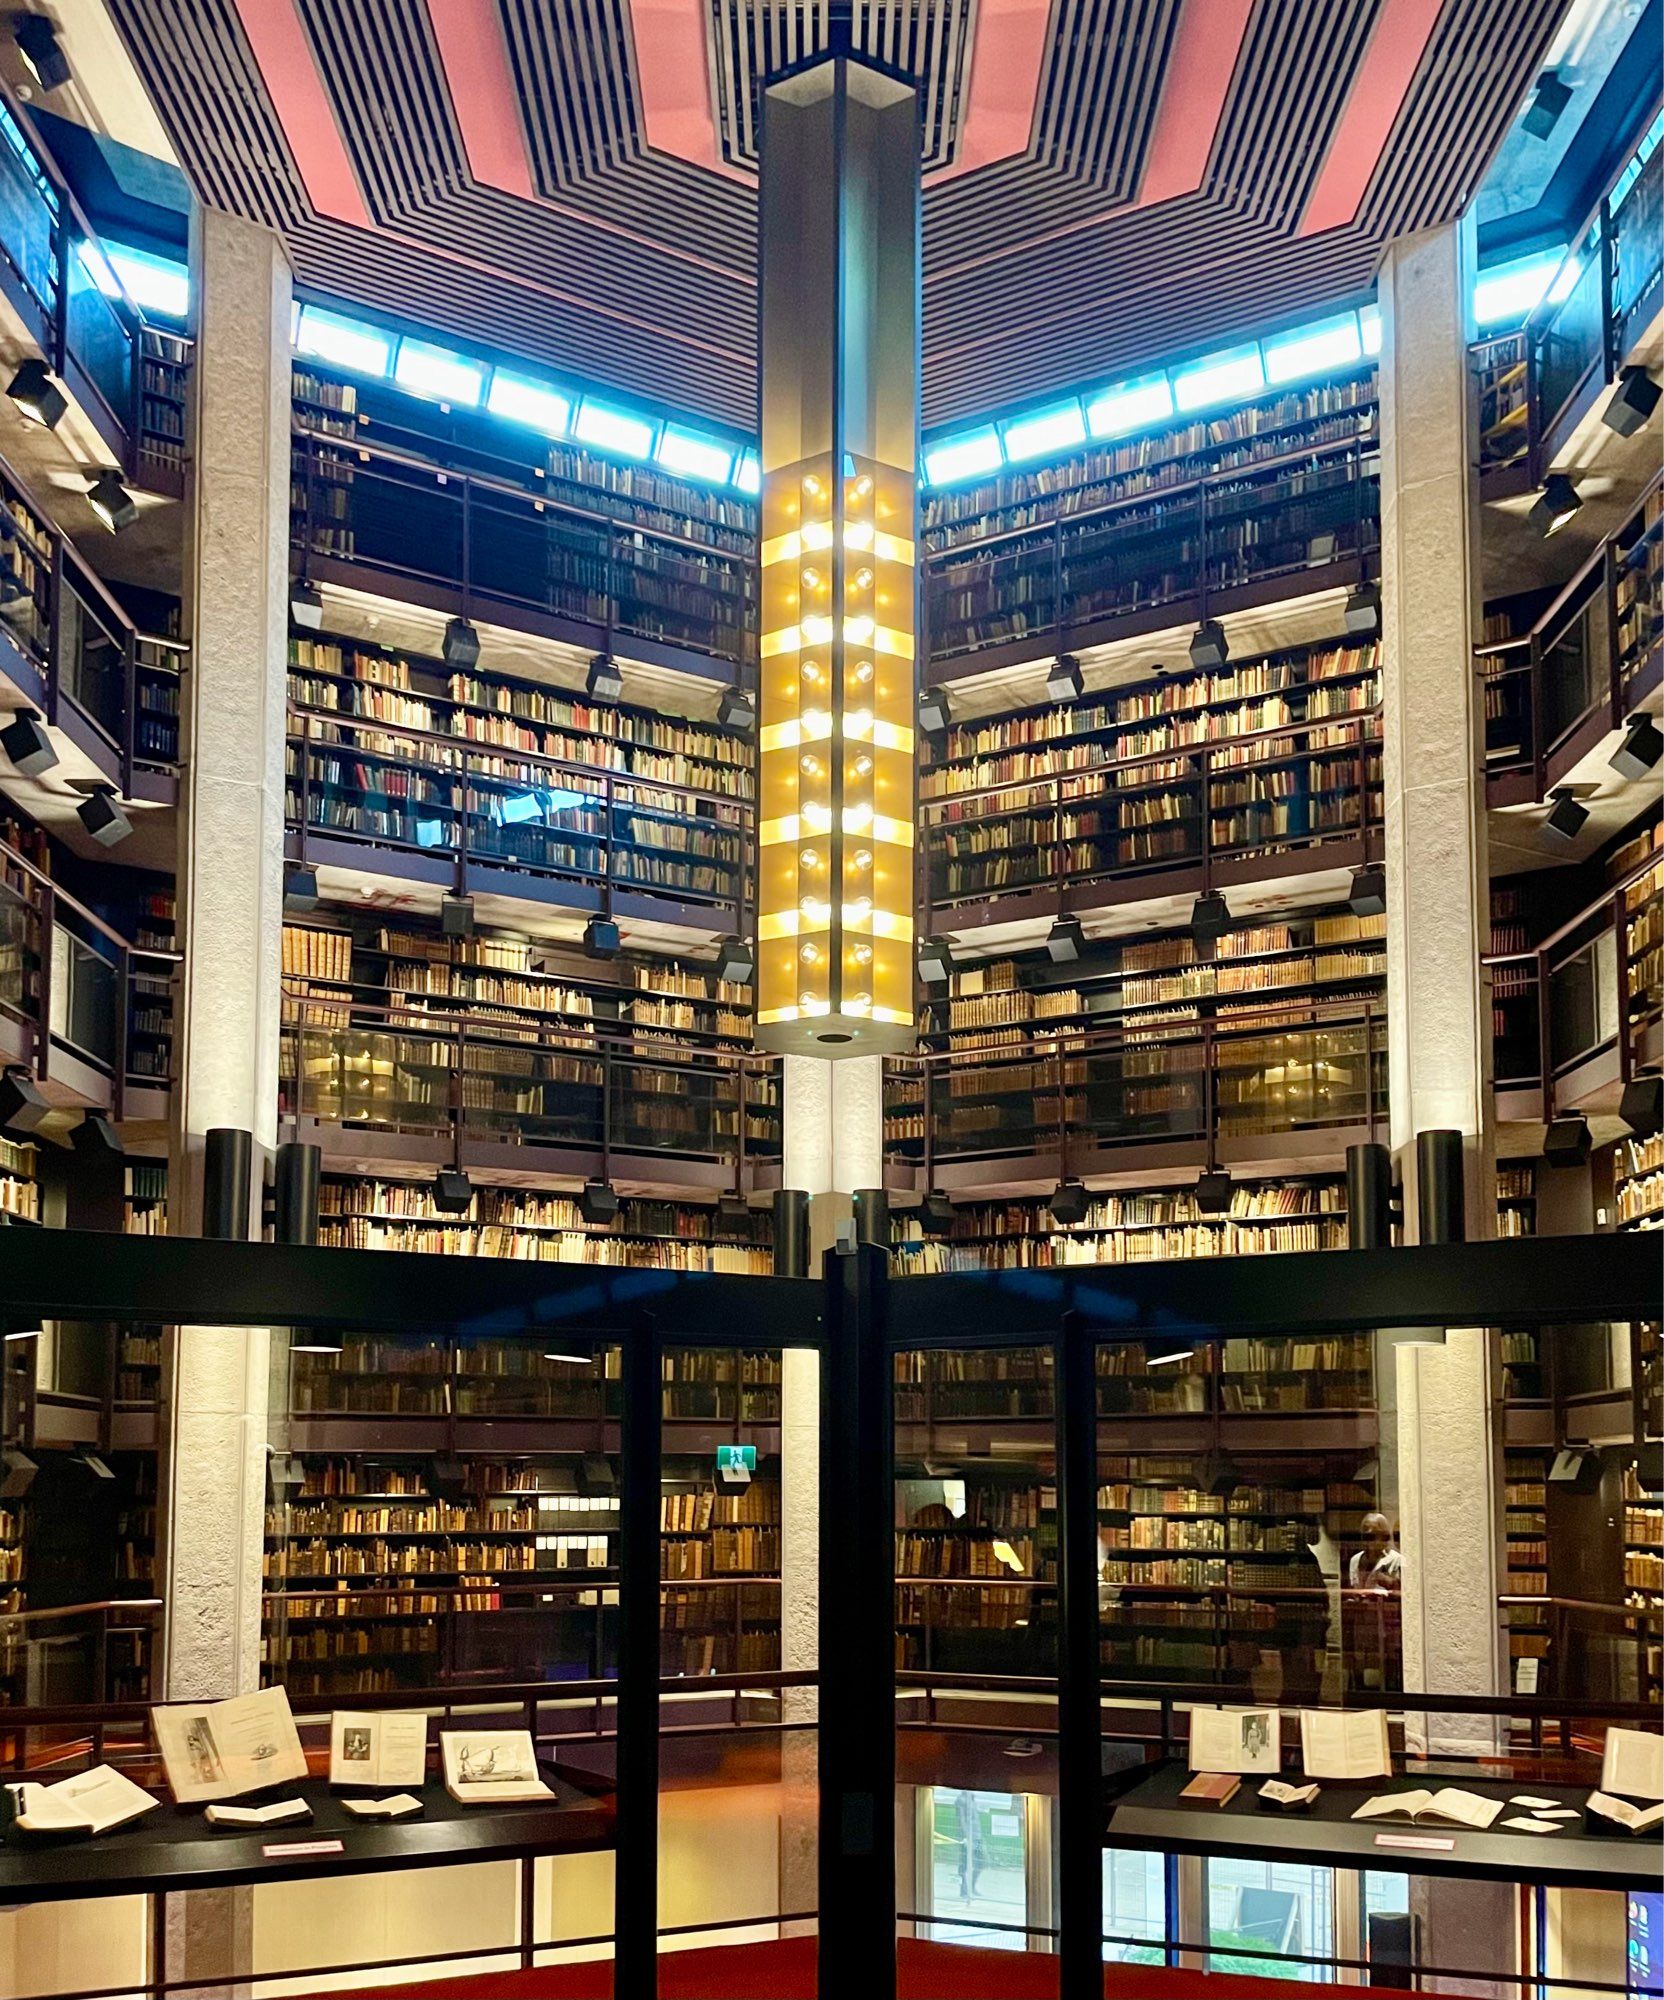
column 863, row 486
column 863, row 671
column 861, row 907
column 862, row 858
column 808, row 858
column 863, row 767
column 811, row 672
column 863, row 954
column 810, row 766
column 811, row 579
column 809, row 953
column 863, row 579
column 811, row 485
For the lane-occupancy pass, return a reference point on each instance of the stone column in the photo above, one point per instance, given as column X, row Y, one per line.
column 1438, row 1003
column 230, row 918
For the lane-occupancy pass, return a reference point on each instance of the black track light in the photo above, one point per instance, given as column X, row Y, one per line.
column 1640, row 750
column 1555, row 505
column 936, row 961
column 1065, row 941
column 598, row 1203
column 603, row 938
column 736, row 709
column 461, row 645
column 736, row 962
column 456, row 916
column 1631, row 402
column 37, row 395
column 935, row 712
column 17, row 1473
column 1567, row 816
column 1208, row 645
column 97, row 1138
column 936, row 1213
column 300, row 891
column 1548, row 100
column 733, row 1209
column 603, row 680
column 112, row 502
column 1069, row 1203
column 1363, row 611
column 36, row 36
column 1368, row 894
column 448, row 1476
column 1642, row 1105
column 1210, row 916
column 1064, row 681
column 453, row 1191
column 1567, row 1141
column 26, row 743
column 22, row 1107
column 1218, row 1474
column 1213, row 1192
column 101, row 815
column 306, row 605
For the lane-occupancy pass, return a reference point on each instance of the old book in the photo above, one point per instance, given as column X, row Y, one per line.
column 386, row 1748
column 402, row 1805
column 1214, row 1789
column 1633, row 1766
column 1454, row 1807
column 95, row 1801
column 491, row 1766
column 281, row 1812
column 1633, row 1819
column 1245, row 1740
column 1291, row 1798
column 1339, row 1744
column 221, row 1749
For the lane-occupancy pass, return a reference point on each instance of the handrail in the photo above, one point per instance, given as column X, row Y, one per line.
column 1609, row 896
column 76, row 1611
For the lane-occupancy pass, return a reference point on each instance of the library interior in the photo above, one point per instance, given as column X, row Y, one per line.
column 831, row 999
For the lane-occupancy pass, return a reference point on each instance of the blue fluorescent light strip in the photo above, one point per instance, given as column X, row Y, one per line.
column 435, row 371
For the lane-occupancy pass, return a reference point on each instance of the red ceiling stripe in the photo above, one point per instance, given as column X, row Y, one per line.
column 291, row 76
column 1006, row 56
column 673, row 82
column 1403, row 28
column 487, row 104
column 1193, row 98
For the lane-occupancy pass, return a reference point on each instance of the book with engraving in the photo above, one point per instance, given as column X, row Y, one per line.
column 491, row 1766
column 1339, row 1744
column 91, row 1802
column 1449, row 1805
column 1247, row 1741
column 222, row 1749
column 388, row 1748
column 1619, row 1812
column 1288, row 1798
column 281, row 1812
column 402, row 1805
column 1212, row 1789
column 1633, row 1764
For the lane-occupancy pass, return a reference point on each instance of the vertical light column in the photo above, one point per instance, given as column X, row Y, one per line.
column 1438, row 925
column 231, row 919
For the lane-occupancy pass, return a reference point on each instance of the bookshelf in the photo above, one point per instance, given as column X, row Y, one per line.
column 145, row 1196
column 1640, row 916
column 1525, row 1548
column 1516, row 1198
column 1515, row 1036
column 1638, row 589
column 1504, row 382
column 164, row 363
column 1643, row 1503
column 1638, row 1182
column 19, row 1189
column 150, row 989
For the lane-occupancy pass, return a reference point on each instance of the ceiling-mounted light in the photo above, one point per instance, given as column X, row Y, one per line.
column 460, row 645
column 733, row 1209
column 1631, row 403
column 456, row 916
column 26, row 743
column 448, row 1476
column 36, row 36
column 1639, row 751
column 1579, row 1470
column 936, row 1213
column 603, row 938
column 21, row 1105
column 1363, row 611
column 1065, row 941
column 1208, row 645
column 1213, row 1192
column 935, row 961
column 1642, row 1105
column 1210, row 915
column 1064, row 680
column 37, row 395
column 603, row 680
column 1368, row 894
column 736, row 962
column 935, row 712
column 1166, row 1350
column 17, row 1473
column 101, row 815
column 1555, row 505
column 1567, row 1142
column 1548, row 100
column 599, row 1203
column 300, row 891
column 1567, row 815
column 453, row 1191
column 112, row 502
column 306, row 605
column 736, row 709
column 1069, row 1202
column 1218, row 1474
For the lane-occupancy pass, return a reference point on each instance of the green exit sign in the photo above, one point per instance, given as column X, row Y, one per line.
column 732, row 1458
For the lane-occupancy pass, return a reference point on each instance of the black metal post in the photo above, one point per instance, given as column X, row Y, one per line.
column 1368, row 1198
column 1439, row 1199
column 227, row 1164
column 636, row 1845
column 791, row 1233
column 295, row 1192
column 872, row 1217
column 1080, row 1812
column 857, row 1858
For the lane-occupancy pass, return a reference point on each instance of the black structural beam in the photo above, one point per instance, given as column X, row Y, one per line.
column 636, row 1849
column 1080, row 1788
column 857, row 1857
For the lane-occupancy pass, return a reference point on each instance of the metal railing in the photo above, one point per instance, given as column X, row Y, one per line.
column 99, row 1651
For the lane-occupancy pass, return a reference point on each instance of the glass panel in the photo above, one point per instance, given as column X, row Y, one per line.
column 1269, row 1907
column 102, row 341
column 28, row 220
column 92, row 665
column 978, row 1867
column 1573, row 340
column 1135, row 1907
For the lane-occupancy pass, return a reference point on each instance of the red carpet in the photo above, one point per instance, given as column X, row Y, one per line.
column 786, row 1971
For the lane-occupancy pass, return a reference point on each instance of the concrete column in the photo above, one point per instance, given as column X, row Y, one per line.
column 1438, row 1003
column 231, row 918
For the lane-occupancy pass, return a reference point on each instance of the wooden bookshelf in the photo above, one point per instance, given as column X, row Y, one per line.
column 1640, row 915
column 145, row 1194
column 1515, row 1037
column 19, row 1189
column 164, row 383
column 1525, row 1547
column 1638, row 589
column 1643, row 1504
column 1638, row 1182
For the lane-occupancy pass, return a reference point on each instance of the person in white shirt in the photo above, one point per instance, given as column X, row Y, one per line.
column 1377, row 1566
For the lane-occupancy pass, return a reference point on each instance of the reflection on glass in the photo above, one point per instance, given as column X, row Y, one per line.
column 1258, row 1910
column 978, row 1867
column 1135, row 1907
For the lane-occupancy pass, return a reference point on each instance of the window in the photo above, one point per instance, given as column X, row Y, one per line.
column 978, row 1867
column 1257, row 1910
column 1135, row 1907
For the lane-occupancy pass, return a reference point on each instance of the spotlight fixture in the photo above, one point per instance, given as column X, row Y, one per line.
column 456, row 916
column 461, row 645
column 1210, row 915
column 97, row 1137
column 37, row 395
column 596, row 1477
column 1634, row 757
column 17, row 1473
column 935, row 961
column 89, row 1461
column 448, row 1476
column 733, row 1209
column 1580, row 1470
column 22, row 1107
column 101, row 815
column 285, row 1472
column 603, row 680
column 1548, row 100
column 1065, row 941
column 936, row 1213
column 736, row 962
column 26, row 743
column 736, row 709
column 1567, row 815
column 306, row 605
column 1217, row 1474
column 37, row 42
column 935, row 712
column 1368, row 894
column 1064, row 681
column 1069, row 1202
column 1555, row 505
column 1164, row 1350
column 603, row 938
column 300, row 891
column 1213, row 1192
column 1631, row 402
column 112, row 502
column 1208, row 645
column 1363, row 611
column 1567, row 1141
column 453, row 1191
column 1642, row 1105
column 598, row 1202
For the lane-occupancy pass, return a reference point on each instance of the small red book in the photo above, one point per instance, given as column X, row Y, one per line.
column 1213, row 1789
